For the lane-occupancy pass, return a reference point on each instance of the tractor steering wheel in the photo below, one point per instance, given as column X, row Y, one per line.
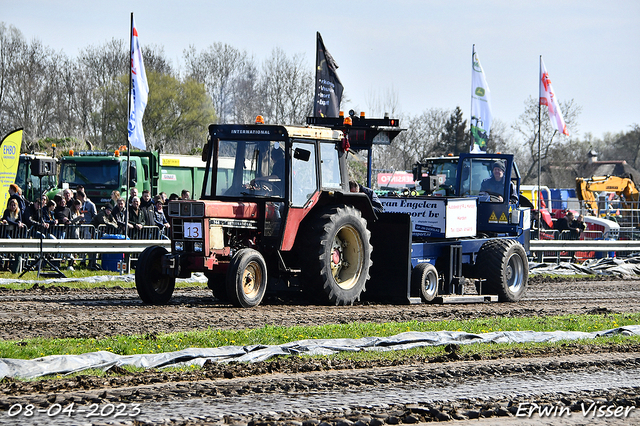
column 493, row 197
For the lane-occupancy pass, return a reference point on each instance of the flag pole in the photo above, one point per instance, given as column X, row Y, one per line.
column 539, row 149
column 126, row 197
column 315, row 82
column 473, row 55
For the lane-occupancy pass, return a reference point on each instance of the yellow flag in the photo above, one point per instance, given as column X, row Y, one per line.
column 9, row 157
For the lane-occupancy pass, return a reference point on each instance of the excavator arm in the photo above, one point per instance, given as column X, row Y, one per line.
column 587, row 187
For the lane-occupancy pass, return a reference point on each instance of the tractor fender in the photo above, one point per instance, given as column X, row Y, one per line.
column 356, row 199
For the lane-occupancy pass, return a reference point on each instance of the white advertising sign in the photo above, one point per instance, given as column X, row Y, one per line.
column 436, row 217
column 461, row 218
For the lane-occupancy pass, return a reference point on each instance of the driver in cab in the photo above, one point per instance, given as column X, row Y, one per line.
column 494, row 185
column 274, row 181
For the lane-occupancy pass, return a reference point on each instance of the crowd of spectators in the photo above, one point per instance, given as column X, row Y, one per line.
column 55, row 218
column 75, row 208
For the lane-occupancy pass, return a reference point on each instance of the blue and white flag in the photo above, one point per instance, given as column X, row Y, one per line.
column 139, row 92
column 480, row 107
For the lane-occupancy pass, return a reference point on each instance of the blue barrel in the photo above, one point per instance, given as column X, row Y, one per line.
column 110, row 260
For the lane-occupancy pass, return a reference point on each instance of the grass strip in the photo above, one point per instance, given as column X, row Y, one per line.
column 275, row 335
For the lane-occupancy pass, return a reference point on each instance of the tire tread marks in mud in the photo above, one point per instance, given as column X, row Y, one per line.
column 319, row 238
column 495, row 262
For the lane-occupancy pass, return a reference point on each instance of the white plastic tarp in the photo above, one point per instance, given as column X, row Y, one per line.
column 66, row 364
column 621, row 267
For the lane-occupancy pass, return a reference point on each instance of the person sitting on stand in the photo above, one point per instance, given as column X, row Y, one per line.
column 48, row 216
column 120, row 215
column 61, row 212
column 137, row 218
column 567, row 224
column 15, row 193
column 104, row 217
column 13, row 218
column 159, row 219
column 33, row 215
column 12, row 215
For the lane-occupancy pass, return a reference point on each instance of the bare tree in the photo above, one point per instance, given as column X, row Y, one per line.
column 32, row 94
column 11, row 44
column 419, row 141
column 526, row 126
column 247, row 99
column 379, row 103
column 105, row 67
column 218, row 68
column 287, row 88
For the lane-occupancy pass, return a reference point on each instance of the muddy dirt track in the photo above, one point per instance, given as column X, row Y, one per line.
column 363, row 394
column 60, row 312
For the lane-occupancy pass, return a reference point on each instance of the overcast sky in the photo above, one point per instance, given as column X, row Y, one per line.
column 418, row 49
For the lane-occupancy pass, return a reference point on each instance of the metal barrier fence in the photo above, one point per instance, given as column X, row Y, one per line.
column 71, row 243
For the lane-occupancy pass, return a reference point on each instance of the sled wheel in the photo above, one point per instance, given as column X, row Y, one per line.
column 340, row 268
column 503, row 263
column 153, row 286
column 246, row 278
column 424, row 277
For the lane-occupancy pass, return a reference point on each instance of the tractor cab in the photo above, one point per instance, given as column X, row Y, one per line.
column 495, row 180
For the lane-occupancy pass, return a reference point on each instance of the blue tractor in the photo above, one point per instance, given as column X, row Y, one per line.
column 438, row 243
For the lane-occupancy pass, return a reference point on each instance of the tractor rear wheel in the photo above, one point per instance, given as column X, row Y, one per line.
column 503, row 263
column 339, row 250
column 424, row 278
column 247, row 278
column 153, row 286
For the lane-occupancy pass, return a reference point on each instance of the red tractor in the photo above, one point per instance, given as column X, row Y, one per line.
column 275, row 211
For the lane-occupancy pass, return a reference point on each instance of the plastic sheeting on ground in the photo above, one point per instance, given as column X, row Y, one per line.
column 66, row 364
column 197, row 277
column 622, row 267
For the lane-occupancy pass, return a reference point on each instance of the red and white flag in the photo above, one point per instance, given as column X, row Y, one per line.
column 548, row 98
column 139, row 92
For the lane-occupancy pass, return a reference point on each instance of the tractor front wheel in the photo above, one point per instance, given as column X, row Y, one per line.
column 247, row 278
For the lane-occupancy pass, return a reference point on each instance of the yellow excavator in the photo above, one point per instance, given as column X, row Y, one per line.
column 622, row 186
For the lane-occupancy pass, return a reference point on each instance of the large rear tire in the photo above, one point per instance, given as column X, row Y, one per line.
column 153, row 286
column 503, row 263
column 424, row 278
column 247, row 278
column 339, row 249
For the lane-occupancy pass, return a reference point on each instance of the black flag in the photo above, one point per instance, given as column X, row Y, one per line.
column 328, row 87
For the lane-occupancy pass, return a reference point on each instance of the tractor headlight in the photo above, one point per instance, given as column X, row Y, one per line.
column 179, row 246
column 197, row 247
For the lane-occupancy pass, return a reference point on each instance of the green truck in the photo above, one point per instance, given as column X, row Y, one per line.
column 34, row 179
column 102, row 172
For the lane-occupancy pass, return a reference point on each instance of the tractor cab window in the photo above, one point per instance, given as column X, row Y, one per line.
column 250, row 168
column 303, row 168
column 484, row 177
column 446, row 173
column 330, row 166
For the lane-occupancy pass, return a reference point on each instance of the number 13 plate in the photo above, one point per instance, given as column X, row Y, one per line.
column 193, row 229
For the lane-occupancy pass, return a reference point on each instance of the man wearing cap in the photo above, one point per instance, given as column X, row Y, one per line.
column 494, row 185
column 104, row 217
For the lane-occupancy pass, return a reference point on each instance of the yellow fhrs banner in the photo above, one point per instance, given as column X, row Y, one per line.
column 9, row 157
